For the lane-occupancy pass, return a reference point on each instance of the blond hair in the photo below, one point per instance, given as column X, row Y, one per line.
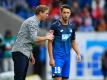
column 40, row 8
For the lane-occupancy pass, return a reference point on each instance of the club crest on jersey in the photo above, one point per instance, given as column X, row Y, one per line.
column 70, row 30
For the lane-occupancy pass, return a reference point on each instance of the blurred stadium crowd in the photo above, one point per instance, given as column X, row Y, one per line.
column 88, row 16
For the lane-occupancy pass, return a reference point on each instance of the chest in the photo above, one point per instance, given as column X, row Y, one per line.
column 64, row 32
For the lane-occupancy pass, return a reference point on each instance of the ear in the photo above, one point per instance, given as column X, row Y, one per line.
column 72, row 14
column 40, row 13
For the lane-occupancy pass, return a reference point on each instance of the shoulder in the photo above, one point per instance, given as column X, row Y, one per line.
column 56, row 22
column 72, row 25
column 30, row 21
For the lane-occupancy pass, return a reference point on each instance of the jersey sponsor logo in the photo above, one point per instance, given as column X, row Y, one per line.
column 65, row 36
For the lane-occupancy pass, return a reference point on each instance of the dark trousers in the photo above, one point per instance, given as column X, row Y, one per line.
column 1, row 65
column 20, row 65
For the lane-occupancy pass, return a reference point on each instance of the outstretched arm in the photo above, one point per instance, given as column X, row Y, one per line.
column 33, row 31
column 49, row 36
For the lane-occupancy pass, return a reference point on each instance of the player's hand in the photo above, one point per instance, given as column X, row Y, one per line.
column 32, row 59
column 50, row 35
column 79, row 58
column 52, row 62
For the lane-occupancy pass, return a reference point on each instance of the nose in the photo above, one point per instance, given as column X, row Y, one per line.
column 66, row 14
column 47, row 15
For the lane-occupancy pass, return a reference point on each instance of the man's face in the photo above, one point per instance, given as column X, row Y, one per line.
column 45, row 14
column 65, row 14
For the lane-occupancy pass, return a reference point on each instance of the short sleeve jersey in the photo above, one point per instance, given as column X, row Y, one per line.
column 64, row 35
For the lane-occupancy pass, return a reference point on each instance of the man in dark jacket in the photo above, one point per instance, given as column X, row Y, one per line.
column 2, row 49
column 104, row 65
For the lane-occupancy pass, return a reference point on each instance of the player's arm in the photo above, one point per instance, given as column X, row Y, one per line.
column 50, row 48
column 76, row 49
column 75, row 46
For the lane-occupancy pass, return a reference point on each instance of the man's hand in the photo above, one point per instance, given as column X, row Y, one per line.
column 79, row 58
column 32, row 59
column 52, row 62
column 50, row 35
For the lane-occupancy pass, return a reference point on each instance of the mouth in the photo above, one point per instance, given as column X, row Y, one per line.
column 66, row 18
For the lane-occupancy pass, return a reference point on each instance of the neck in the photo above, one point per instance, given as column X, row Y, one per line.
column 38, row 17
column 64, row 22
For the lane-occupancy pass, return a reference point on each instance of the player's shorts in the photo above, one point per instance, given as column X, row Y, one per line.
column 62, row 68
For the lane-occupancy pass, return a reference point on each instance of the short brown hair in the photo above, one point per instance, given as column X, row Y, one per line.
column 65, row 6
column 40, row 8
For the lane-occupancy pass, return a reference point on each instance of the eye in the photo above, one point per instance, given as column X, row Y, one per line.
column 68, row 12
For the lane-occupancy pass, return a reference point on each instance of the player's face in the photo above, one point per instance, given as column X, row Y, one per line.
column 44, row 15
column 65, row 14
